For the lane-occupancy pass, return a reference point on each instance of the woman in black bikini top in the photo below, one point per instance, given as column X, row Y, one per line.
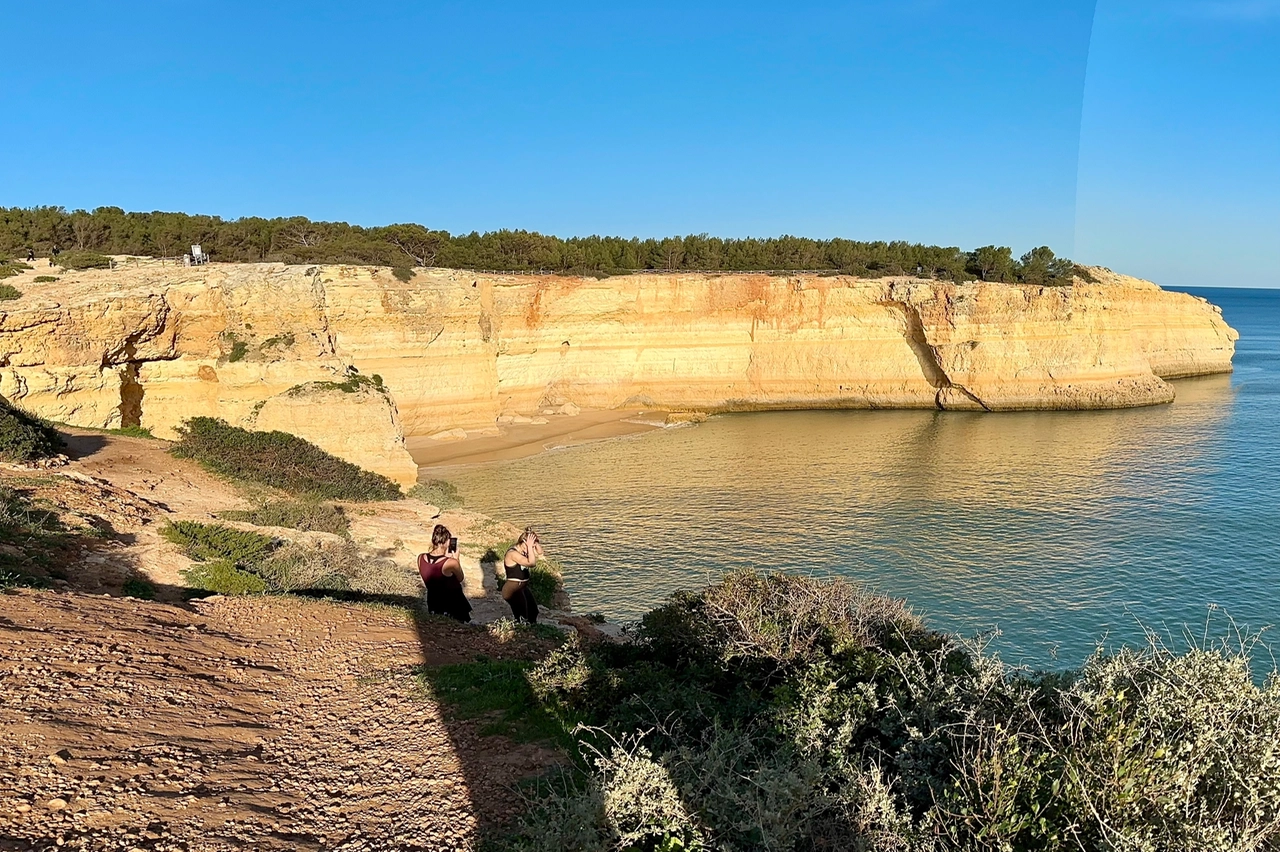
column 520, row 557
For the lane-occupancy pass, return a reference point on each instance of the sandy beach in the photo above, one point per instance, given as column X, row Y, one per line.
column 518, row 440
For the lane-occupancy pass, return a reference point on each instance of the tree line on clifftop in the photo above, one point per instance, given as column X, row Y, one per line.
column 296, row 239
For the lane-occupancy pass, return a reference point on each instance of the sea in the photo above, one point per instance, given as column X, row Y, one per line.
column 1044, row 535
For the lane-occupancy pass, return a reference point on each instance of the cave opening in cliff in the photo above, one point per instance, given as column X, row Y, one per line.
column 131, row 391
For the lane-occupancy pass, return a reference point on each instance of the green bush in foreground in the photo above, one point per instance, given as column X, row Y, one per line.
column 304, row 515
column 279, row 460
column 83, row 260
column 437, row 492
column 223, row 578
column 8, row 293
column 770, row 713
column 45, row 279
column 25, row 437
column 217, row 542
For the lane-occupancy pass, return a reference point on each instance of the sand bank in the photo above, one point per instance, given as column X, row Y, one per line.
column 518, row 440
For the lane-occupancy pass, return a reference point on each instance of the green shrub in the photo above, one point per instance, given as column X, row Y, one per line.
column 351, row 384
column 223, row 578
column 438, row 493
column 10, row 268
column 304, row 515
column 83, row 260
column 402, row 273
column 546, row 581
column 239, row 349
column 1084, row 273
column 139, row 587
column 45, row 279
column 25, row 437
column 132, row 432
column 279, row 460
column 218, row 542
column 283, row 341
column 8, row 293
column 36, row 541
column 789, row 713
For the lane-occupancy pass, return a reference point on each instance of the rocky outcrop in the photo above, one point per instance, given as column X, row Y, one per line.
column 153, row 345
column 356, row 421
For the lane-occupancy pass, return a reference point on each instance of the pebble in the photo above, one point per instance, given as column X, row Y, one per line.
column 56, row 804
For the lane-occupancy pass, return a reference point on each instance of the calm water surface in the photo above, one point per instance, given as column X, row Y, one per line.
column 1059, row 529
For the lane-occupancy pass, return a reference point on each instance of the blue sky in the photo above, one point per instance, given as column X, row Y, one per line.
column 960, row 123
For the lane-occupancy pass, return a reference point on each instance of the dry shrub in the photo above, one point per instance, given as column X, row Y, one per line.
column 784, row 713
column 784, row 618
column 339, row 566
column 303, row 515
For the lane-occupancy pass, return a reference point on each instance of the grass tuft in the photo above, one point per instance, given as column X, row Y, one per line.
column 497, row 691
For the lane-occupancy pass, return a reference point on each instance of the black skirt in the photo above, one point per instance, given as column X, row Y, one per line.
column 445, row 597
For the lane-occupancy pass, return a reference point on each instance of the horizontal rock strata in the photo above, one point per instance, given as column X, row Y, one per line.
column 152, row 345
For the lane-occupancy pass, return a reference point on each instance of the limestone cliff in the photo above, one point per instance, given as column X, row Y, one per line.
column 153, row 345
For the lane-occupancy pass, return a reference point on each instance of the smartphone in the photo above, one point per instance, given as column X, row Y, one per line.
column 453, row 544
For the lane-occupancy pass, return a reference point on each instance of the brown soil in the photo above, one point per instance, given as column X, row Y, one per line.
column 239, row 723
column 234, row 723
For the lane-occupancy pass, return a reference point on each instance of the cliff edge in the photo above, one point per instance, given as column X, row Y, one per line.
column 354, row 359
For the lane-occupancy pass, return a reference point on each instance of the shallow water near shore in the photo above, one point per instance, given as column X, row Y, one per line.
column 1059, row 529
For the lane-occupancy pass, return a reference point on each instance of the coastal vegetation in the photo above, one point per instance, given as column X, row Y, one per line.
column 778, row 712
column 110, row 230
column 437, row 492
column 83, row 260
column 32, row 540
column 233, row 561
column 279, row 460
column 25, row 437
column 302, row 515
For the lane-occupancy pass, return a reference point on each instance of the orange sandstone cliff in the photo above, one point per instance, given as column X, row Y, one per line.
column 274, row 347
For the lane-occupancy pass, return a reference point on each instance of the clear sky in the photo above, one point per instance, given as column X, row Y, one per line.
column 940, row 121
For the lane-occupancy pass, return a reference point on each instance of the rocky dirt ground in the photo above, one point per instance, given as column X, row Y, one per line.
column 234, row 723
column 240, row 723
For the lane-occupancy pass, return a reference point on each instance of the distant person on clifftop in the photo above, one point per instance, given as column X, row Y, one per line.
column 520, row 558
column 442, row 575
column 31, row 254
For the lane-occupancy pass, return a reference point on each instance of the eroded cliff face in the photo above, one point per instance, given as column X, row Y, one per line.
column 153, row 345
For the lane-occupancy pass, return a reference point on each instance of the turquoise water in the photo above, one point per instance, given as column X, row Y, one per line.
column 1059, row 530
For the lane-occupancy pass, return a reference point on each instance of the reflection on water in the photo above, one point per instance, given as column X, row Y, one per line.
column 1055, row 527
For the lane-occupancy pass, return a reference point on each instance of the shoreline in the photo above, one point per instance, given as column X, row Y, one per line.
column 521, row 440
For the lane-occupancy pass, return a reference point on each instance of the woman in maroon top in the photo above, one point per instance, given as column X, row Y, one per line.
column 442, row 575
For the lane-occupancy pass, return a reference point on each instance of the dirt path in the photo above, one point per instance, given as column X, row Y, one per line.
column 129, row 486
column 239, row 723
